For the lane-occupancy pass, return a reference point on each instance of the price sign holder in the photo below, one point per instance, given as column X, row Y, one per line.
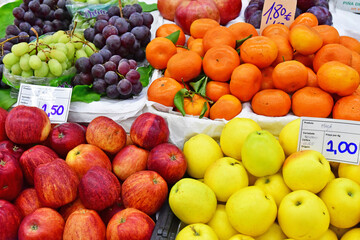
column 338, row 140
column 55, row 101
column 278, row 11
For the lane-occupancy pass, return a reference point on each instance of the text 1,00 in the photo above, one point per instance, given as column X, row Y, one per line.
column 342, row 147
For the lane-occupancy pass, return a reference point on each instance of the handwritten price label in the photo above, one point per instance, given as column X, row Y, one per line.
column 337, row 140
column 53, row 100
column 278, row 12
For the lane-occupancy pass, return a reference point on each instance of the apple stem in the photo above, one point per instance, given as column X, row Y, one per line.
column 122, row 220
column 155, row 181
column 2, row 163
column 298, row 203
column 195, row 232
column 34, row 227
column 173, row 157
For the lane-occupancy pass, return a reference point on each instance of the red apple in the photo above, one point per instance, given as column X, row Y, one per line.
column 84, row 224
column 129, row 160
column 99, row 188
column 190, row 10
column 228, row 9
column 109, row 212
column 28, row 201
column 10, row 218
column 169, row 161
column 149, row 130
column 106, row 134
column 34, row 157
column 130, row 224
column 11, row 148
column 144, row 190
column 55, row 183
column 11, row 177
column 3, row 115
column 27, row 125
column 69, row 208
column 65, row 137
column 85, row 156
column 44, row 223
column 167, row 8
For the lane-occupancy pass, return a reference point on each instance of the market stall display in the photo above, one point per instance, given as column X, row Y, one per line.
column 168, row 113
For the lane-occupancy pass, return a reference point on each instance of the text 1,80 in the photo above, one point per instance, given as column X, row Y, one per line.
column 274, row 12
column 342, row 147
column 54, row 110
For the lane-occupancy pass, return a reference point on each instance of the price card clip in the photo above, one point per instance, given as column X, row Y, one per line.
column 55, row 101
column 338, row 140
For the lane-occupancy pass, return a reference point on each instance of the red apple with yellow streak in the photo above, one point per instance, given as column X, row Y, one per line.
column 106, row 134
column 129, row 160
column 130, row 223
column 11, row 177
column 28, row 201
column 34, row 157
column 84, row 224
column 44, row 223
column 56, row 184
column 27, row 125
column 85, row 156
column 10, row 219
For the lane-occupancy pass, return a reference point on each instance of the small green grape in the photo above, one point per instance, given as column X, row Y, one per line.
column 20, row 49
column 48, row 39
column 29, row 73
column 61, row 47
column 58, row 55
column 24, row 62
column 35, row 62
column 77, row 42
column 55, row 67
column 57, row 35
column 80, row 53
column 10, row 59
column 16, row 69
column 50, row 75
column 88, row 50
column 70, row 50
column 43, row 71
column 64, row 38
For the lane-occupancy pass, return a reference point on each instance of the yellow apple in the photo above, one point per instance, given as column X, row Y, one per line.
column 273, row 233
column 306, row 170
column 342, row 198
column 349, row 171
column 352, row 234
column 241, row 237
column 234, row 134
column 289, row 136
column 251, row 211
column 197, row 231
column 200, row 152
column 328, row 235
column 274, row 185
column 262, row 154
column 192, row 201
column 225, row 176
column 303, row 215
column 221, row 225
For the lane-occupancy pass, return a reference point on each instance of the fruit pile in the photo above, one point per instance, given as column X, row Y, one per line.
column 307, row 69
column 121, row 36
column 238, row 192
column 49, row 56
column 320, row 8
column 71, row 181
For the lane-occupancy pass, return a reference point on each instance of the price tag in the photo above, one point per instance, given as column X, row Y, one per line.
column 337, row 140
column 278, row 11
column 55, row 101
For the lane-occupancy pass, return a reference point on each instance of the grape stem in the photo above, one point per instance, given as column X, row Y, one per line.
column 121, row 12
column 37, row 39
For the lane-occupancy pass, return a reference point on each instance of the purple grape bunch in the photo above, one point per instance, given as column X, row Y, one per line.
column 125, row 35
column 110, row 75
column 320, row 8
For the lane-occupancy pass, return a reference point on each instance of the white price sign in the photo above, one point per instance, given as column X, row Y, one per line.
column 338, row 140
column 55, row 101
